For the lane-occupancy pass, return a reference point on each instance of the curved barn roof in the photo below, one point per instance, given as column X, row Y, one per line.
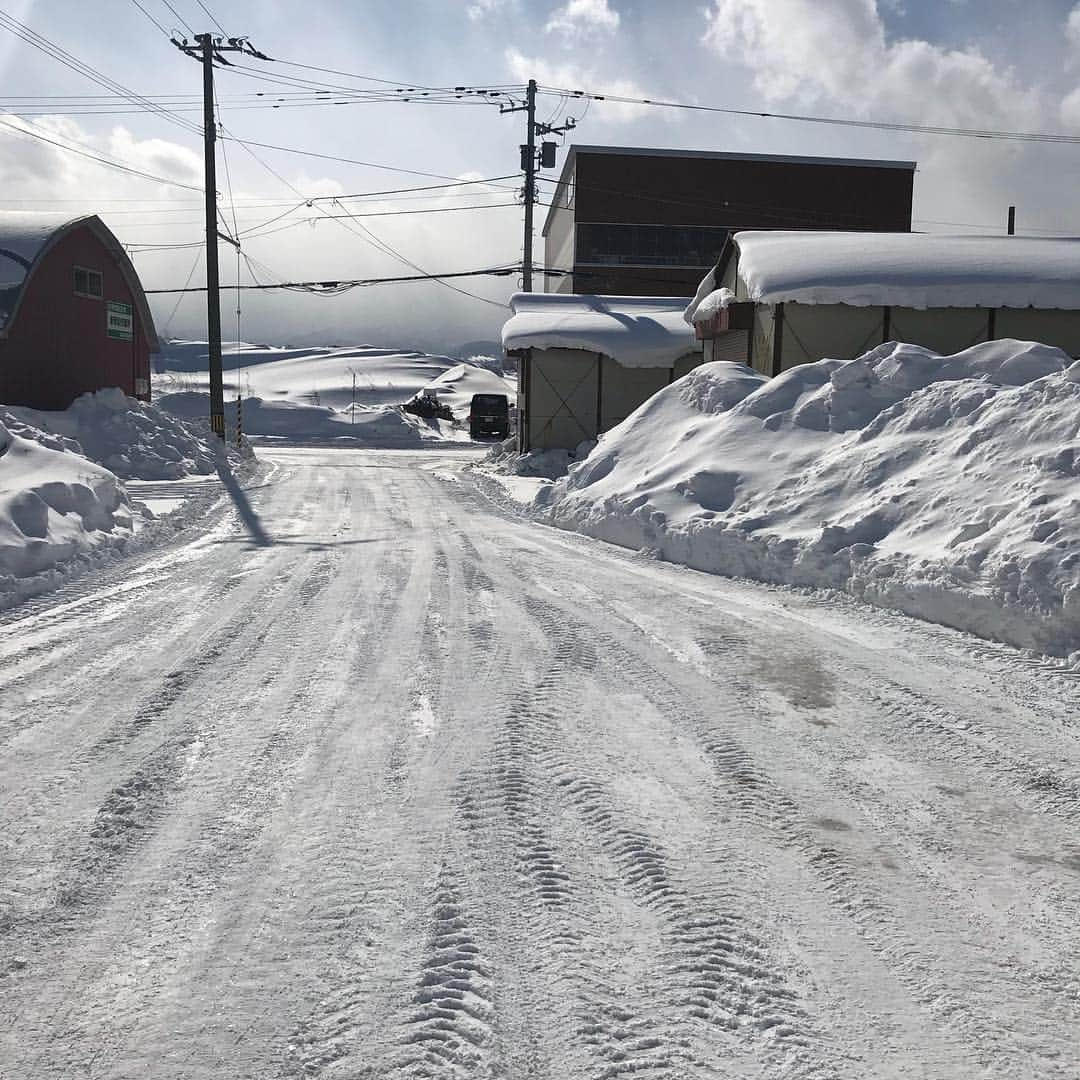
column 26, row 238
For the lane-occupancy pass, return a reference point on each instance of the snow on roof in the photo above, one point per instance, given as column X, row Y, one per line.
column 915, row 270
column 23, row 235
column 636, row 331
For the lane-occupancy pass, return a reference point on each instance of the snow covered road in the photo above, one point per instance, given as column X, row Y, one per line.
column 400, row 785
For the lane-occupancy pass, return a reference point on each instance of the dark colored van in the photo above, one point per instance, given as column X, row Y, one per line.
column 489, row 414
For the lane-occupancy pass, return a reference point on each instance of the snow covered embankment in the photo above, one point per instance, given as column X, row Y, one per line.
column 63, row 506
column 946, row 487
column 134, row 440
column 54, row 505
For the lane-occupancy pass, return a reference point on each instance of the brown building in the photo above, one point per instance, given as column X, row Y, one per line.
column 637, row 222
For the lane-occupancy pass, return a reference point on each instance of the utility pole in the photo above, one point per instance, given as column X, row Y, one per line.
column 529, row 162
column 208, row 49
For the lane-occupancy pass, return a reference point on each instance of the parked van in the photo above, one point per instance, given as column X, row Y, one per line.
column 489, row 414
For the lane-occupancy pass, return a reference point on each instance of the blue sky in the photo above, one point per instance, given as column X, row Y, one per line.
column 984, row 63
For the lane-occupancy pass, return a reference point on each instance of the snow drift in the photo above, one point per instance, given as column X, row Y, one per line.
column 54, row 506
column 132, row 439
column 946, row 487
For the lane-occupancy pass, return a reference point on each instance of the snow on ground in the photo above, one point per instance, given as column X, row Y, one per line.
column 78, row 486
column 54, row 505
column 946, row 487
column 328, row 393
column 405, row 786
column 132, row 439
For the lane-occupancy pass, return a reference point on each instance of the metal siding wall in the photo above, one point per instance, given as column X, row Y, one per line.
column 815, row 332
column 762, row 338
column 1058, row 328
column 562, row 400
column 559, row 248
column 945, row 330
column 624, row 389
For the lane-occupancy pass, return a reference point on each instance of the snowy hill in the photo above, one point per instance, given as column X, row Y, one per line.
column 315, row 392
column 946, row 487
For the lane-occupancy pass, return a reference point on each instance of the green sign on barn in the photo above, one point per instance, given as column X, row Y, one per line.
column 120, row 324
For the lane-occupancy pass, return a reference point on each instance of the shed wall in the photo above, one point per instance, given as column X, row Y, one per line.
column 624, row 389
column 1059, row 328
column 57, row 346
column 561, row 398
column 945, row 330
column 761, row 339
column 815, row 331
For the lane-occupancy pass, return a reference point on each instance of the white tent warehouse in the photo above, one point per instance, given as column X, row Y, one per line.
column 587, row 362
column 778, row 299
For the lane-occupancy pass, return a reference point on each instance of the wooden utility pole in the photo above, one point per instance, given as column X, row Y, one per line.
column 529, row 162
column 208, row 49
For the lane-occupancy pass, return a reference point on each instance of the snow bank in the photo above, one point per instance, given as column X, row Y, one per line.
column 915, row 270
column 54, row 506
column 384, row 425
column 637, row 331
column 132, row 439
column 946, row 487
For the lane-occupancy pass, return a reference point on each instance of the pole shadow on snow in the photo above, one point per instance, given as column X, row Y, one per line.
column 254, row 526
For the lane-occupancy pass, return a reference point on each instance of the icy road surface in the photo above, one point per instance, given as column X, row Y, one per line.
column 414, row 788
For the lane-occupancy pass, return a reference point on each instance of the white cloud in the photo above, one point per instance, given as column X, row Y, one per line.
column 479, row 9
column 581, row 16
column 836, row 50
column 1072, row 26
column 570, row 77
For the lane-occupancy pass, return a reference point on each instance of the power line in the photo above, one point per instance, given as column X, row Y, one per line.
column 366, row 234
column 210, row 15
column 353, row 283
column 248, row 143
column 100, row 160
column 877, row 125
column 51, row 49
column 150, row 17
column 183, row 21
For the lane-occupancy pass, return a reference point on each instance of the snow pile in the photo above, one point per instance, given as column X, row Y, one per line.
column 54, row 506
column 637, row 331
column 132, row 439
column 914, row 270
column 710, row 306
column 946, row 487
column 455, row 387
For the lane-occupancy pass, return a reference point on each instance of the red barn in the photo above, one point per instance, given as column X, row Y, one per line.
column 73, row 315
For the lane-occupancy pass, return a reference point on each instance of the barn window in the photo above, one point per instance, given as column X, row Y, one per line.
column 88, row 283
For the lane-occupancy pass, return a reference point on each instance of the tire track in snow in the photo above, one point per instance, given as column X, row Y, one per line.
column 985, row 1036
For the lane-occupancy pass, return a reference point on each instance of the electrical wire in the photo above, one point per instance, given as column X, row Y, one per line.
column 180, row 298
column 130, row 169
column 56, row 52
column 210, row 15
column 183, row 21
column 354, row 283
column 248, row 143
column 876, row 125
column 150, row 17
